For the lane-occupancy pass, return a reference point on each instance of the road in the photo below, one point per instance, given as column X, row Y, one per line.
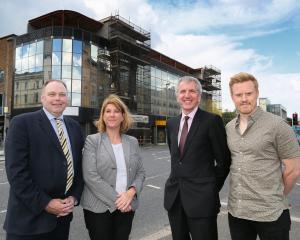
column 151, row 222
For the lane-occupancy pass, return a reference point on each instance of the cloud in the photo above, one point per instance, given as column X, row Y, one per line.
column 196, row 33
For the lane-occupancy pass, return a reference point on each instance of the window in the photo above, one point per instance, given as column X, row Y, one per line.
column 1, row 75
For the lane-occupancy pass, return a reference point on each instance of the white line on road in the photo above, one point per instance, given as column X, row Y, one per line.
column 152, row 186
column 295, row 219
column 156, row 176
column 3, row 211
column 167, row 157
column 298, row 184
column 3, row 183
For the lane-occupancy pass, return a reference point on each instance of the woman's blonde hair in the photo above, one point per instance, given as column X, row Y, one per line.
column 120, row 105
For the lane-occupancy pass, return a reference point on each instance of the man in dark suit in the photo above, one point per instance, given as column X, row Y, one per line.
column 43, row 165
column 200, row 162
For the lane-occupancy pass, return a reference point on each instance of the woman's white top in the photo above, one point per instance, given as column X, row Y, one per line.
column 121, row 181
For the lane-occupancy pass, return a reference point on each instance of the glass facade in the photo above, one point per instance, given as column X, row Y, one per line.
column 163, row 96
column 28, row 74
column 66, row 66
column 80, row 65
column 97, row 59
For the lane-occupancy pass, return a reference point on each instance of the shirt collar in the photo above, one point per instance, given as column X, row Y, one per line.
column 50, row 116
column 191, row 114
column 252, row 117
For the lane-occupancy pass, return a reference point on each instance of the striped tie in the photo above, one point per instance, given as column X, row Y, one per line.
column 65, row 148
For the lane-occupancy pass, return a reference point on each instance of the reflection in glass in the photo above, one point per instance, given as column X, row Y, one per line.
column 56, row 72
column 76, row 86
column 18, row 53
column 77, row 73
column 25, row 50
column 67, row 45
column 39, row 47
column 94, row 52
column 76, row 59
column 66, row 72
column 66, row 58
column 77, row 46
column 56, row 45
column 32, row 49
column 68, row 83
column 31, row 62
column 24, row 64
column 39, row 60
column 56, row 58
column 38, row 69
column 76, row 99
column 18, row 65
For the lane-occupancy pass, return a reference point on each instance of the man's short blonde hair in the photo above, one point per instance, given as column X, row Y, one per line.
column 242, row 77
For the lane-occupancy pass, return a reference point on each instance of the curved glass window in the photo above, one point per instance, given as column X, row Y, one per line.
column 56, row 45
column 66, row 65
column 77, row 46
column 56, row 58
column 66, row 58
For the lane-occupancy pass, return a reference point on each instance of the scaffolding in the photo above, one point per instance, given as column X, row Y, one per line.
column 129, row 47
column 210, row 78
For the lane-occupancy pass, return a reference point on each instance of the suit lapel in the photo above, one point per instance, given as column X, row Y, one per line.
column 108, row 147
column 177, row 126
column 126, row 149
column 192, row 131
column 46, row 126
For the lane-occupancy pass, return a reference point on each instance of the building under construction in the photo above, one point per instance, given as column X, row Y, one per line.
column 95, row 58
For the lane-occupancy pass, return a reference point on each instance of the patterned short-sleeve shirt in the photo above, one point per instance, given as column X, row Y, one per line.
column 256, row 184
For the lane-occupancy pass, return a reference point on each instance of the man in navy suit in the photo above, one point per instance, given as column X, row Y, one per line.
column 200, row 161
column 40, row 204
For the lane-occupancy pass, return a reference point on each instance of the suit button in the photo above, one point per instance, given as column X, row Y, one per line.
column 180, row 163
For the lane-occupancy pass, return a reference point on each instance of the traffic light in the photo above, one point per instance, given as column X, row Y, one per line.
column 295, row 119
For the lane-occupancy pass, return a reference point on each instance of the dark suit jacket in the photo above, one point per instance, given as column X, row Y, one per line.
column 199, row 174
column 36, row 169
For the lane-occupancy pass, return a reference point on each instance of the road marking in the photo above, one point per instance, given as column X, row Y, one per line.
column 167, row 157
column 298, row 184
column 3, row 183
column 3, row 211
column 224, row 203
column 295, row 219
column 159, row 175
column 152, row 186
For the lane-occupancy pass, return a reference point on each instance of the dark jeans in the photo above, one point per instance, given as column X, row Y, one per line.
column 186, row 228
column 108, row 226
column 242, row 229
column 61, row 232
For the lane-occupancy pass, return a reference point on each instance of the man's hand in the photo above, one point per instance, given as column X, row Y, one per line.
column 61, row 207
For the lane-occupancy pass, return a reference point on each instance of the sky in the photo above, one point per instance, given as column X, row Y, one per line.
column 261, row 37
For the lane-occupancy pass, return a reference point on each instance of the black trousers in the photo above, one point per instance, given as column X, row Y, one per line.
column 185, row 228
column 242, row 229
column 108, row 226
column 61, row 232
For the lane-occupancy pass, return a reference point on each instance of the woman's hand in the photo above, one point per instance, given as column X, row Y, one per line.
column 124, row 200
